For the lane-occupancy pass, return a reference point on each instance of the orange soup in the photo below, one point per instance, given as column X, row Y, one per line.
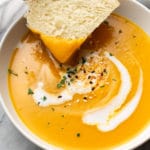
column 98, row 100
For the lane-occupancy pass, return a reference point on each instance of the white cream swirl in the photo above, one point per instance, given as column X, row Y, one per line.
column 108, row 117
column 105, row 118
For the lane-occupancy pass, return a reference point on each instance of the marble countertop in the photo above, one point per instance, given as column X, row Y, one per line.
column 10, row 137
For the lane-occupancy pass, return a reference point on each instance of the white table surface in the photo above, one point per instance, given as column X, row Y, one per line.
column 10, row 137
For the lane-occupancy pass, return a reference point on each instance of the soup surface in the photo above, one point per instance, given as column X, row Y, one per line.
column 99, row 100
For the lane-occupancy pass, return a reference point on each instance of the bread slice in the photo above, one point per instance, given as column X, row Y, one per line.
column 65, row 24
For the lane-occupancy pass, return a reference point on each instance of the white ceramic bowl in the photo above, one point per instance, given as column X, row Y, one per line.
column 130, row 9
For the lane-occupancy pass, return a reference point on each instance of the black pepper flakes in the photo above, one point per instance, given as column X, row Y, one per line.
column 93, row 71
column 26, row 72
column 120, row 31
column 83, row 60
column 69, row 76
column 76, row 77
column 106, row 22
column 84, row 71
column 105, row 71
column 93, row 88
column 116, row 43
column 91, row 82
column 84, row 97
column 59, row 96
column 89, row 77
column 134, row 36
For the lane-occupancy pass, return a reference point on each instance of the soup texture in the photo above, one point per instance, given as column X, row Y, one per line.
column 98, row 100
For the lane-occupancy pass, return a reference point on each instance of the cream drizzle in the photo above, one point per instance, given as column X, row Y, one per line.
column 126, row 111
column 102, row 116
column 105, row 118
column 66, row 94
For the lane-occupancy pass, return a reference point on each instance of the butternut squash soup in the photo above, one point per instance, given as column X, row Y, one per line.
column 98, row 100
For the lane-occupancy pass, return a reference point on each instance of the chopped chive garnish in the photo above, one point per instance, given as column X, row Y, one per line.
column 72, row 80
column 114, row 79
column 78, row 134
column 72, row 71
column 62, row 82
column 12, row 72
column 30, row 92
column 110, row 54
column 44, row 98
column 102, row 86
column 59, row 85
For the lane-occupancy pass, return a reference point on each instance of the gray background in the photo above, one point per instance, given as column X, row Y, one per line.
column 10, row 137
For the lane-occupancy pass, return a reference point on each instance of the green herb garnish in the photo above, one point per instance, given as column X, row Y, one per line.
column 78, row 134
column 72, row 80
column 114, row 79
column 110, row 54
column 12, row 72
column 102, row 86
column 44, row 98
column 72, row 71
column 62, row 82
column 30, row 92
column 53, row 109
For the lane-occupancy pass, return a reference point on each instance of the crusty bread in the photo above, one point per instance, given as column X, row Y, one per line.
column 68, row 19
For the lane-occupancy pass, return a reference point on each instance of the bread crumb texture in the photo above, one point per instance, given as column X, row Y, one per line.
column 69, row 19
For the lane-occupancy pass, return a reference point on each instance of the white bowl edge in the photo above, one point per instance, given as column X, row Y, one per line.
column 145, row 135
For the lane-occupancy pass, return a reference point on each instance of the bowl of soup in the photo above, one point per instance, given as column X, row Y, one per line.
column 99, row 100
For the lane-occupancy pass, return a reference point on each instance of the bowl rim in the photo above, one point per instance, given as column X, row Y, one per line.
column 142, row 137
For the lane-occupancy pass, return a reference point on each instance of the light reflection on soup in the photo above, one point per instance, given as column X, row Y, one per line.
column 88, row 105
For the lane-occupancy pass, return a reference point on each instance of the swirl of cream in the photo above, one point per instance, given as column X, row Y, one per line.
column 102, row 116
